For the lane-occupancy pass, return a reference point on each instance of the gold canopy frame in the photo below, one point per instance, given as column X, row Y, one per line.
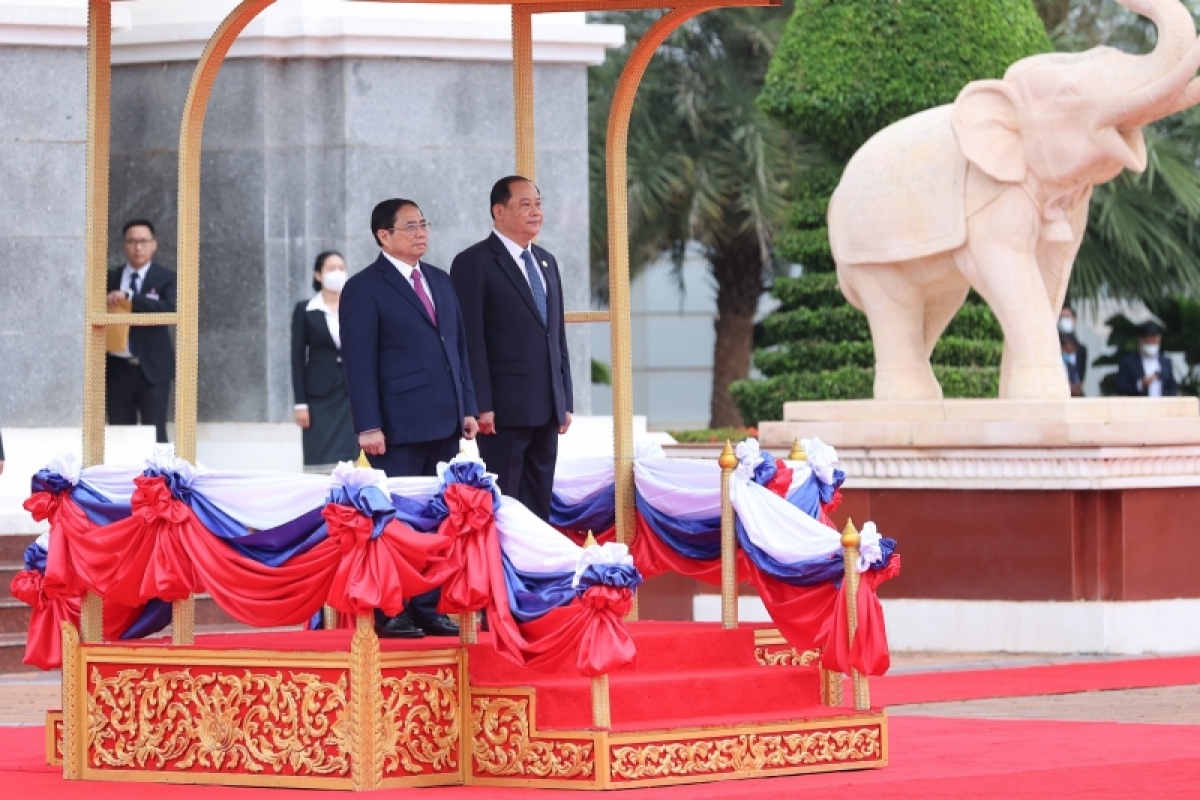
column 186, row 318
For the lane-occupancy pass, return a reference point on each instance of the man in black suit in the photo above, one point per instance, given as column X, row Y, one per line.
column 511, row 296
column 405, row 354
column 1147, row 372
column 138, row 381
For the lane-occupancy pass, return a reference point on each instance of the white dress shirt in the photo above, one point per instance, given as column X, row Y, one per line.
column 1149, row 367
column 126, row 280
column 406, row 271
column 515, row 251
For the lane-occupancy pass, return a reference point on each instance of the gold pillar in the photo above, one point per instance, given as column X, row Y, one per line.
column 187, row 259
column 329, row 618
column 729, row 609
column 74, row 705
column 522, row 48
column 366, row 706
column 617, row 194
column 468, row 627
column 850, row 540
column 601, row 708
column 95, row 277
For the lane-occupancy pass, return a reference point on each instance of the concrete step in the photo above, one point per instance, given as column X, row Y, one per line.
column 12, row 547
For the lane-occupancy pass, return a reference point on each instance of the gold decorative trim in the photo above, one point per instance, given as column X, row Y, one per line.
column 183, row 621
column 72, row 690
column 366, row 702
column 420, row 722
column 504, row 743
column 218, row 723
column 747, row 754
column 831, row 688
column 54, row 741
column 91, row 618
column 789, row 657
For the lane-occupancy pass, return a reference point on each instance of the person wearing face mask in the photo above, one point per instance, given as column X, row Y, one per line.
column 318, row 385
column 1068, row 324
column 1147, row 372
column 1071, row 361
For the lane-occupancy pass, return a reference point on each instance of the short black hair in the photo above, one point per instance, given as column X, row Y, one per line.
column 319, row 264
column 502, row 191
column 1067, row 307
column 1150, row 328
column 136, row 223
column 385, row 214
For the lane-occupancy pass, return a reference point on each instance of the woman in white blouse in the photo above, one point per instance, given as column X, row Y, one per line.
column 322, row 405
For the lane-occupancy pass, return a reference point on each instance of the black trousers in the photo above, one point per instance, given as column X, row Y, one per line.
column 523, row 460
column 128, row 394
column 406, row 461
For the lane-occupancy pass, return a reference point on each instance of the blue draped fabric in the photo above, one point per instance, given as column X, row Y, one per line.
column 766, row 470
column 596, row 512
column 370, row 502
column 100, row 510
column 468, row 473
column 809, row 495
column 418, row 516
column 620, row 576
column 695, row 539
column 531, row 596
column 35, row 558
column 797, row 573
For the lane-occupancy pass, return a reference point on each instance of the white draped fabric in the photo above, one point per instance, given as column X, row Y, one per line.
column 679, row 487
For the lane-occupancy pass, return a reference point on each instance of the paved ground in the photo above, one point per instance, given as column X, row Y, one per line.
column 25, row 698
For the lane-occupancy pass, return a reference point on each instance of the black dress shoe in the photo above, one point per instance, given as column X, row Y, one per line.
column 440, row 625
column 399, row 627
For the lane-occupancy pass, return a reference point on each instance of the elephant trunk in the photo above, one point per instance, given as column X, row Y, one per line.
column 1169, row 67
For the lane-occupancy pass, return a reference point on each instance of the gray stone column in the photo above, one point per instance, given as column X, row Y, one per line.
column 43, row 128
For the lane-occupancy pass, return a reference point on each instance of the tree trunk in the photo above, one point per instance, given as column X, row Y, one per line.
column 738, row 270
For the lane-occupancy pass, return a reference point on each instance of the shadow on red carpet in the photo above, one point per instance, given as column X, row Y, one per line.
column 931, row 759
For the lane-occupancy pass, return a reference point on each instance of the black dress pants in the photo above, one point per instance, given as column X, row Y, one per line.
column 523, row 460
column 406, row 461
column 128, row 394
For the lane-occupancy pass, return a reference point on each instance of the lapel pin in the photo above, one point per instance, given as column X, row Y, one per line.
column 544, row 264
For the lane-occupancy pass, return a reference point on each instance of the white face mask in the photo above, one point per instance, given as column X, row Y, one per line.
column 335, row 280
column 1066, row 325
column 1150, row 350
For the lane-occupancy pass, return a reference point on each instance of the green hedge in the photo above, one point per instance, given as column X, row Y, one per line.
column 819, row 356
column 807, row 246
column 811, row 291
column 975, row 321
column 838, row 323
column 763, row 400
column 848, row 68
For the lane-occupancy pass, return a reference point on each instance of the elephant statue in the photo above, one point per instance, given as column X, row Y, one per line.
column 992, row 192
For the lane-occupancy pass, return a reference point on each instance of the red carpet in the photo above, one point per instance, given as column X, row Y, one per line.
column 687, row 674
column 933, row 687
column 931, row 759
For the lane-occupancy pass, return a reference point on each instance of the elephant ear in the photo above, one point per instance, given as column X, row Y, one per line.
column 985, row 124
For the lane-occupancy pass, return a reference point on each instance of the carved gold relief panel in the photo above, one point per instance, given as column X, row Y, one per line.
column 505, row 745
column 420, row 722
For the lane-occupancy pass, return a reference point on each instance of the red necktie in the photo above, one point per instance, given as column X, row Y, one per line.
column 419, row 285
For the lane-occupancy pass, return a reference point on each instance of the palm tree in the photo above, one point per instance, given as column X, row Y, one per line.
column 1141, row 239
column 706, row 167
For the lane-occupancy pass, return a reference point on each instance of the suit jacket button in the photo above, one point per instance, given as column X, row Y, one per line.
column 447, row 368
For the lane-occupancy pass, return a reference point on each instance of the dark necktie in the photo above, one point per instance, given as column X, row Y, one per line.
column 419, row 286
column 535, row 283
column 133, row 284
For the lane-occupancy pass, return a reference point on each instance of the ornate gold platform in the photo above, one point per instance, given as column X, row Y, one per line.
column 366, row 719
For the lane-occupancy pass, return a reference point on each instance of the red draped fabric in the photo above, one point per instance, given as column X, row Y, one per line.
column 869, row 651
column 164, row 551
column 807, row 616
column 55, row 597
column 591, row 630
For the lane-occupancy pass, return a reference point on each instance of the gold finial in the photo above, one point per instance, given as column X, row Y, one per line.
column 362, row 462
column 727, row 460
column 797, row 453
column 590, row 540
column 850, row 536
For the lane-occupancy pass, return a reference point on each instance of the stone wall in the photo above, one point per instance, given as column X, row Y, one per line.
column 296, row 154
column 43, row 127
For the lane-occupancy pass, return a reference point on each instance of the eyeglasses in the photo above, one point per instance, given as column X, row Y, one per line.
column 139, row 242
column 411, row 228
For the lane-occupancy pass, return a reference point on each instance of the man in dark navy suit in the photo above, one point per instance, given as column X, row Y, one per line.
column 404, row 351
column 138, row 381
column 511, row 295
column 1147, row 372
